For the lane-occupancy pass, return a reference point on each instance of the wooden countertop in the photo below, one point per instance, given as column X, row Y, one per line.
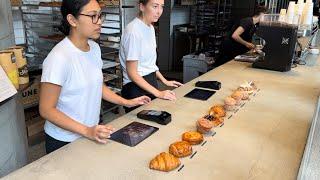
column 265, row 139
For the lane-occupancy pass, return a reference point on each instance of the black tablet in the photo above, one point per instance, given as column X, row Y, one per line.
column 200, row 94
column 133, row 133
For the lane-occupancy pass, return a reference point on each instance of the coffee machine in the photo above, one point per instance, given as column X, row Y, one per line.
column 280, row 42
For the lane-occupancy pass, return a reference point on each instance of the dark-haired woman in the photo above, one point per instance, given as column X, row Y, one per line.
column 240, row 39
column 72, row 82
column 138, row 55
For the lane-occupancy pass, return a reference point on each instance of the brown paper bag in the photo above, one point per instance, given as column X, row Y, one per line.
column 10, row 67
column 21, row 62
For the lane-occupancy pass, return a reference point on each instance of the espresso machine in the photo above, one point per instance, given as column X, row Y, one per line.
column 279, row 47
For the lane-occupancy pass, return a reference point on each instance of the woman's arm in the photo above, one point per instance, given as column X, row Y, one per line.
column 49, row 95
column 166, row 82
column 237, row 37
column 112, row 97
column 136, row 78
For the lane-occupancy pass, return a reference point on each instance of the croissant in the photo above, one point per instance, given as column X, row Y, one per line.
column 193, row 137
column 164, row 162
column 180, row 149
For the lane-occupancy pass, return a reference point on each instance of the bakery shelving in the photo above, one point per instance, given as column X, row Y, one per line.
column 212, row 18
column 109, row 43
column 109, row 64
column 41, row 21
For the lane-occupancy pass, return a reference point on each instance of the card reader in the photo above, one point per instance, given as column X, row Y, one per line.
column 160, row 117
column 215, row 85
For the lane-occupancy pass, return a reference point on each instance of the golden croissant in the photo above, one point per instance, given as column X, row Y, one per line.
column 164, row 162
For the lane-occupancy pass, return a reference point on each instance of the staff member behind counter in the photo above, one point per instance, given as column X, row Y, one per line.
column 239, row 41
column 72, row 82
column 138, row 55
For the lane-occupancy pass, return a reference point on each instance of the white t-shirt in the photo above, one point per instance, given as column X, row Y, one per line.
column 138, row 43
column 80, row 76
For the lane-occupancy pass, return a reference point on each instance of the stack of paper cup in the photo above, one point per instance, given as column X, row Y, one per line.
column 296, row 16
column 307, row 13
column 299, row 8
column 291, row 12
column 282, row 17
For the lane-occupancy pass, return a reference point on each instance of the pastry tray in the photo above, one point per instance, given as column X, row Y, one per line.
column 133, row 133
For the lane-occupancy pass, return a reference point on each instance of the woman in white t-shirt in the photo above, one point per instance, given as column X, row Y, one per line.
column 138, row 55
column 72, row 82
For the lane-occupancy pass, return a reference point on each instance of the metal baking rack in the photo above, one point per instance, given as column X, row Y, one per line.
column 212, row 18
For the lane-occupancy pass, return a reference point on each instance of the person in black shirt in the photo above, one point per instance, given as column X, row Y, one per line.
column 240, row 39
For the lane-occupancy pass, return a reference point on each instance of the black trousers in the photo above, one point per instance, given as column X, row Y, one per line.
column 132, row 90
column 53, row 144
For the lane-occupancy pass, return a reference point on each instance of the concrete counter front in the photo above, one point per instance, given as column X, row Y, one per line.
column 264, row 139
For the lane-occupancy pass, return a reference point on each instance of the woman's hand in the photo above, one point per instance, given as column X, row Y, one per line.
column 142, row 100
column 99, row 133
column 172, row 83
column 167, row 95
column 250, row 45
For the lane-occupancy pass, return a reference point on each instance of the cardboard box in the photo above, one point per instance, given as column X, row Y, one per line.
column 30, row 95
column 34, row 125
column 36, row 139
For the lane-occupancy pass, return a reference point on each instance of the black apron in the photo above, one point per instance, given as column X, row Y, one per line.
column 131, row 90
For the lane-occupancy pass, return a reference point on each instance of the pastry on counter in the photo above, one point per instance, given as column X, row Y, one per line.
column 253, row 85
column 217, row 111
column 193, row 137
column 249, row 87
column 229, row 104
column 164, row 162
column 217, row 121
column 180, row 149
column 237, row 95
column 245, row 95
column 204, row 125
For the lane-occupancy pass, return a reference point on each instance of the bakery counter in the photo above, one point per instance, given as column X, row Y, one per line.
column 263, row 139
column 309, row 168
